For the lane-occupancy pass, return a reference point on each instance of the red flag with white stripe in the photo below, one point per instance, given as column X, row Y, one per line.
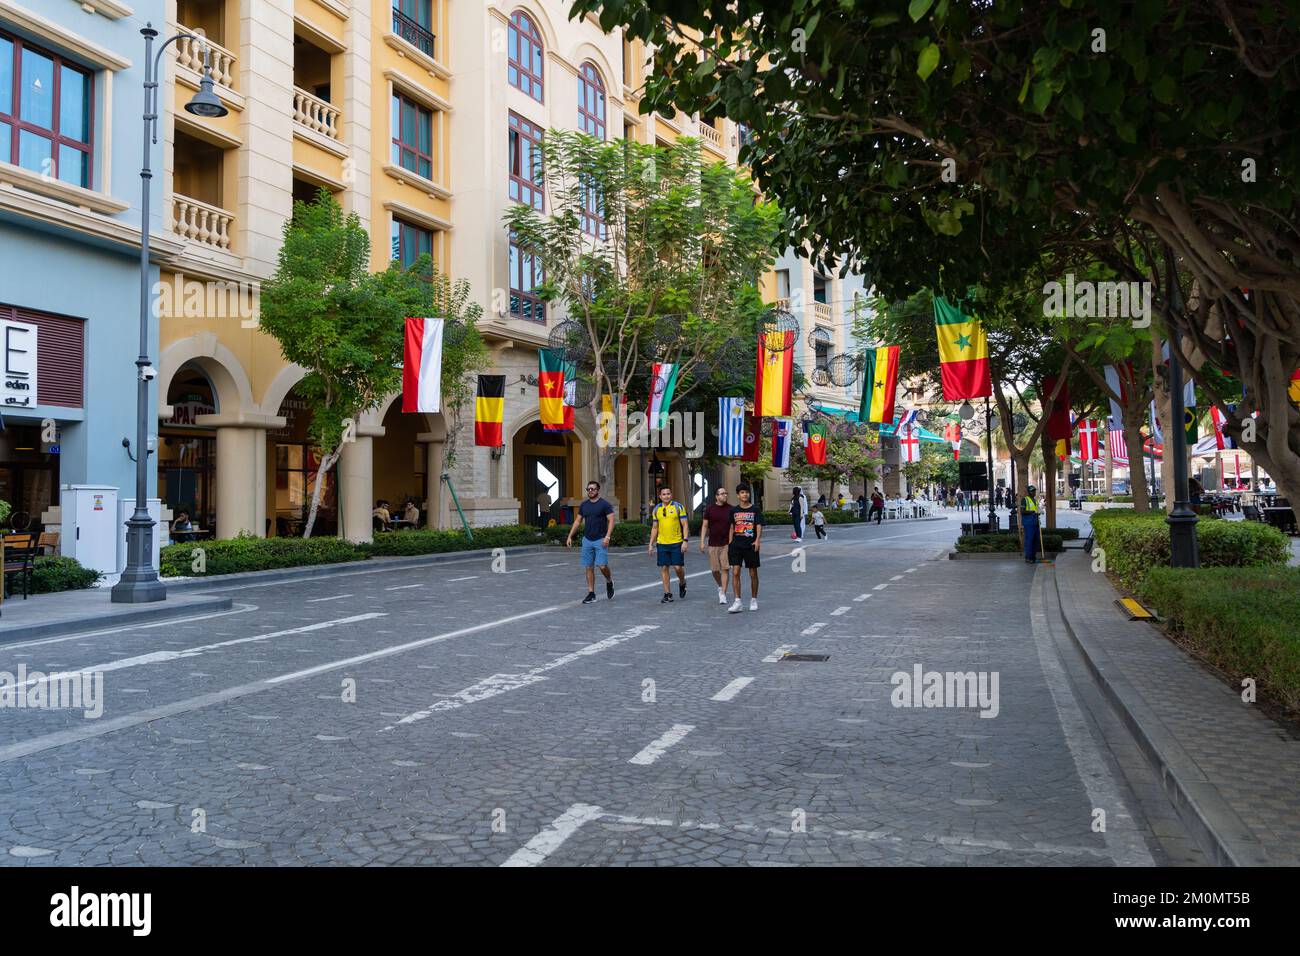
column 422, row 366
column 1088, row 446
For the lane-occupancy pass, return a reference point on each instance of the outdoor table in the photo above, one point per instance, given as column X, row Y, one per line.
column 1281, row 518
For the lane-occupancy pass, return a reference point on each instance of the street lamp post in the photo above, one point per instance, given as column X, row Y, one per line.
column 1183, row 549
column 139, row 583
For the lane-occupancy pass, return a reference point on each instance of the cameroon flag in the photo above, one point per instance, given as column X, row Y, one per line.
column 879, row 384
column 772, row 384
column 550, row 387
column 963, row 353
column 489, row 410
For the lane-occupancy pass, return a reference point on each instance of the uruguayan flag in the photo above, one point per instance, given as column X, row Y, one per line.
column 781, row 428
column 731, row 427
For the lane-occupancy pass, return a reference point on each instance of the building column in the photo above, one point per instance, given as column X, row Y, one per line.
column 356, row 486
column 241, row 471
column 438, row 504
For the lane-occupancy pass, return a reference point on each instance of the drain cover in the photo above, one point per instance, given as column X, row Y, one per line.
column 806, row 657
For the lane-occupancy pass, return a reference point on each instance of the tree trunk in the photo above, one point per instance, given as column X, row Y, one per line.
column 1137, row 469
column 1049, row 481
column 326, row 463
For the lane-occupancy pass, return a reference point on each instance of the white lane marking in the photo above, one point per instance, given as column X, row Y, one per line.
column 468, row 577
column 536, row 850
column 336, row 597
column 840, row 610
column 881, row 587
column 555, row 564
column 657, row 748
column 411, row 645
column 862, row 597
column 732, row 689
column 812, row 629
column 777, row 654
column 160, row 657
column 170, row 622
column 896, row 577
column 403, row 587
column 909, row 570
column 502, row 683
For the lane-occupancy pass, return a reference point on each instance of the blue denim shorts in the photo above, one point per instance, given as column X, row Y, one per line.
column 594, row 553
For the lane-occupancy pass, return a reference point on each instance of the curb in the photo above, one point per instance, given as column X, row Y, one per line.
column 151, row 612
column 1200, row 806
column 222, row 581
column 993, row 555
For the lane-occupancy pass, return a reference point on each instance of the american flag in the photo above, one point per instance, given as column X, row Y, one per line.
column 1115, row 440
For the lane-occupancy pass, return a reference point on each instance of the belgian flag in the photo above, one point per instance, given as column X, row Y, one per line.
column 489, row 410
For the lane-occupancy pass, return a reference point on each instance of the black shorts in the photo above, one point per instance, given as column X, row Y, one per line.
column 742, row 555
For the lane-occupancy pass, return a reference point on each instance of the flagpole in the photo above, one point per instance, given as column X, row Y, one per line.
column 988, row 430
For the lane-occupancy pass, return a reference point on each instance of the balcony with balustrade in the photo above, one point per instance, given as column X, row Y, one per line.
column 316, row 119
column 198, row 187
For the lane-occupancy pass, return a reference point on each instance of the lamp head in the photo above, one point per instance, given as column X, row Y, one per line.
column 205, row 102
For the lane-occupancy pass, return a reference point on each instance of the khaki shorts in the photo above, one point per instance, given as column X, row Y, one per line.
column 718, row 558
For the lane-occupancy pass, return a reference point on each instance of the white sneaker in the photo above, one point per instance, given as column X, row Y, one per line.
column 722, row 596
column 735, row 607
column 753, row 604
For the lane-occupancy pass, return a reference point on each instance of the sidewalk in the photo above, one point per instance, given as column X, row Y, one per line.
column 67, row 612
column 1232, row 773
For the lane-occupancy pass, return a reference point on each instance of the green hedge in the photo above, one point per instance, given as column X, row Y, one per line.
column 626, row 534
column 50, row 574
column 1003, row 542
column 255, row 554
column 394, row 543
column 1136, row 543
column 1243, row 620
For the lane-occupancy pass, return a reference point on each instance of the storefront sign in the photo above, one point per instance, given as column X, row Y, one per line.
column 18, row 364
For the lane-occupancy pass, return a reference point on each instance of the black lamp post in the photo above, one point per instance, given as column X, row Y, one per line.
column 1183, row 549
column 139, row 583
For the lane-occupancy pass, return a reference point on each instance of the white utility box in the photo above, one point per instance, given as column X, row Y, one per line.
column 90, row 526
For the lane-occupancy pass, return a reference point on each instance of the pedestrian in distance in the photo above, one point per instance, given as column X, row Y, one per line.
column 819, row 522
column 746, row 537
column 1029, row 524
column 670, row 533
column 715, row 535
column 877, row 505
column 798, row 511
column 597, row 517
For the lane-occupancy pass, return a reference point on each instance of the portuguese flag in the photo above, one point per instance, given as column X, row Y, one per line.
column 815, row 451
column 879, row 384
column 963, row 353
column 550, row 387
column 772, row 384
column 489, row 410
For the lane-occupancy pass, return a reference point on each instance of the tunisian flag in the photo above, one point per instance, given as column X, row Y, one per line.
column 753, row 438
column 422, row 366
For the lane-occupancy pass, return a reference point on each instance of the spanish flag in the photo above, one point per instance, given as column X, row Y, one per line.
column 550, row 387
column 1294, row 390
column 489, row 410
column 772, row 385
column 963, row 353
column 879, row 384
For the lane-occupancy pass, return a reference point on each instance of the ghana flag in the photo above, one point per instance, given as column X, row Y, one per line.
column 879, row 385
column 489, row 410
column 550, row 387
column 963, row 353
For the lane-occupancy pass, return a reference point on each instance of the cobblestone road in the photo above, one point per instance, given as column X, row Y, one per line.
column 496, row 721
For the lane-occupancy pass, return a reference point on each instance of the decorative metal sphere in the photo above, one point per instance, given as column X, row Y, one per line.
column 819, row 336
column 821, row 376
column 454, row 332
column 569, row 337
column 584, row 392
column 843, row 370
column 780, row 329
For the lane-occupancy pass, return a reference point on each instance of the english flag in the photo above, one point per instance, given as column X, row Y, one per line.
column 1089, row 448
column 909, row 443
column 422, row 366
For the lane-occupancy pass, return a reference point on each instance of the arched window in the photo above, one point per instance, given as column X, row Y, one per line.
column 525, row 55
column 591, row 101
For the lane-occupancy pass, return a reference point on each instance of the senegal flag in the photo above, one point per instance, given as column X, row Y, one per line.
column 489, row 410
column 550, row 387
column 772, row 384
column 879, row 384
column 963, row 353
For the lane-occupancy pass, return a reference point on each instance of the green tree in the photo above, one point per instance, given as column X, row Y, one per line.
column 852, row 451
column 344, row 324
column 667, row 270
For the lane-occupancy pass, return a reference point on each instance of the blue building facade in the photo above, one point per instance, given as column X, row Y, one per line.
column 71, row 101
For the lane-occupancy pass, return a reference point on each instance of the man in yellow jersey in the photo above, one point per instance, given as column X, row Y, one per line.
column 669, row 535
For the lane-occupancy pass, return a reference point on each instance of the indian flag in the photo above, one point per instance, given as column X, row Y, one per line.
column 879, row 384
column 963, row 352
column 663, row 379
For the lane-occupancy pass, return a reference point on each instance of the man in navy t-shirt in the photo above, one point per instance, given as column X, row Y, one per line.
column 598, row 517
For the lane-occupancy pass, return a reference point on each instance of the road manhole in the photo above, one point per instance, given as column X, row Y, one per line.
column 816, row 658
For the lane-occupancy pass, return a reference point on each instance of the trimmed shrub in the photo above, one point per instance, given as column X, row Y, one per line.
column 50, row 574
column 626, row 534
column 233, row 555
column 1242, row 620
column 1003, row 542
column 1137, row 543
column 403, row 543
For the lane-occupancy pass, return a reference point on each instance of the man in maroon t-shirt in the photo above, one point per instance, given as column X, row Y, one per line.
column 713, row 539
